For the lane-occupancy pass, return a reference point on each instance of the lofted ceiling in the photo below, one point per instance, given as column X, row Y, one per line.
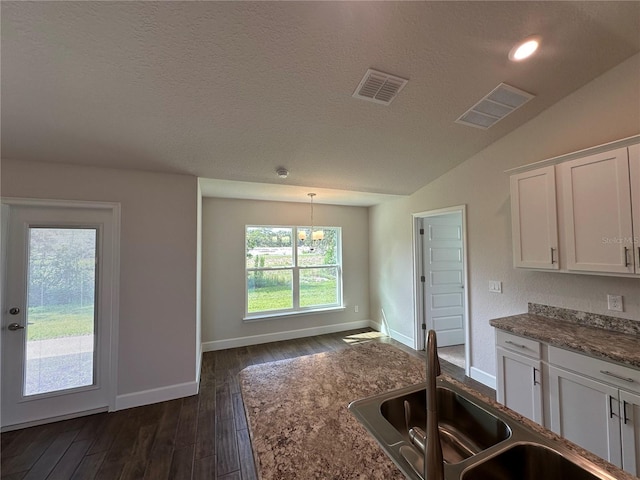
column 230, row 91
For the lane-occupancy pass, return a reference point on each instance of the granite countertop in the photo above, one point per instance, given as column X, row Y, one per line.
column 300, row 427
column 299, row 424
column 582, row 333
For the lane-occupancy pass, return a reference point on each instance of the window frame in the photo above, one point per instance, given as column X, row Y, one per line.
column 295, row 269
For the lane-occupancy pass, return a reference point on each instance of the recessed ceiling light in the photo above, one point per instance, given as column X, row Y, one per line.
column 524, row 49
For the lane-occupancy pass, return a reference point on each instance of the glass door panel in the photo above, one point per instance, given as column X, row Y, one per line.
column 61, row 293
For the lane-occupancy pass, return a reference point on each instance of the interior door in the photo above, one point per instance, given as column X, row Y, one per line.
column 443, row 267
column 57, row 313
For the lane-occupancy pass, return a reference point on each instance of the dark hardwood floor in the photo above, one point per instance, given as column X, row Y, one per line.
column 200, row 437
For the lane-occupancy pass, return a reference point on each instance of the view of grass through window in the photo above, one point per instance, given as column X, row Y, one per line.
column 275, row 256
column 59, row 352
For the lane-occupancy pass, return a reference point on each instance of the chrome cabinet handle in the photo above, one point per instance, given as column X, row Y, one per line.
column 619, row 377
column 552, row 260
column 626, row 257
column 15, row 326
column 519, row 345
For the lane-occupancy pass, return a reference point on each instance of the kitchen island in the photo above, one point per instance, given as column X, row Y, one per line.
column 300, row 426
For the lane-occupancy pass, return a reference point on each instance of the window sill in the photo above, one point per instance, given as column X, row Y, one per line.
column 271, row 316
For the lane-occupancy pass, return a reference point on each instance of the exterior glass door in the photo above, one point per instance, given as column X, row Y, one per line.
column 58, row 308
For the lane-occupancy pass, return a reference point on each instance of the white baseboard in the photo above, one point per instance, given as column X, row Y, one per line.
column 287, row 335
column 408, row 341
column 59, row 418
column 483, row 377
column 156, row 395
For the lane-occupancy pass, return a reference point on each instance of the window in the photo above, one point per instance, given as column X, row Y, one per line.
column 288, row 273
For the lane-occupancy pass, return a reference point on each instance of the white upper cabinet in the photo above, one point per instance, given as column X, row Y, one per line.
column 534, row 219
column 579, row 212
column 634, row 174
column 597, row 213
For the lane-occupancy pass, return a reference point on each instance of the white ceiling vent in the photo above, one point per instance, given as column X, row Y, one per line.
column 499, row 103
column 379, row 87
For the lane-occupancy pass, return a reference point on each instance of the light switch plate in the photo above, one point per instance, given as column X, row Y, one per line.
column 495, row 286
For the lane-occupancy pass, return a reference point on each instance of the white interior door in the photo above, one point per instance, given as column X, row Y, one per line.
column 443, row 267
column 56, row 335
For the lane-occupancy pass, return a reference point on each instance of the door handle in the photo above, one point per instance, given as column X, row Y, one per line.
column 15, row 326
column 14, row 311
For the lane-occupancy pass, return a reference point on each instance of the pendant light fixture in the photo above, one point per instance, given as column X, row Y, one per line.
column 316, row 236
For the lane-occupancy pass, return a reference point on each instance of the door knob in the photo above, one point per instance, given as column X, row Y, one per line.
column 14, row 311
column 14, row 326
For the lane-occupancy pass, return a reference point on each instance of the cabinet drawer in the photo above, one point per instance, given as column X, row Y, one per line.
column 596, row 368
column 522, row 345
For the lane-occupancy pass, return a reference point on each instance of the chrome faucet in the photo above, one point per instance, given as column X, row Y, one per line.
column 433, row 462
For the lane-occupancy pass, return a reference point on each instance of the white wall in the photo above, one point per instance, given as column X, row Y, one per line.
column 157, row 328
column 604, row 110
column 223, row 273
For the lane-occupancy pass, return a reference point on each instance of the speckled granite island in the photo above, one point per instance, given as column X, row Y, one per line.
column 299, row 424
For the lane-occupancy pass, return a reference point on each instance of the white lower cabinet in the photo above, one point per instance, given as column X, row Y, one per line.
column 519, row 387
column 630, row 426
column 585, row 412
column 589, row 401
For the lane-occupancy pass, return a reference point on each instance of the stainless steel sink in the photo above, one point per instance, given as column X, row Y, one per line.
column 465, row 428
column 479, row 440
column 529, row 461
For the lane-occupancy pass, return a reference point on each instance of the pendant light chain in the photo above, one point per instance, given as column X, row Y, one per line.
column 312, row 195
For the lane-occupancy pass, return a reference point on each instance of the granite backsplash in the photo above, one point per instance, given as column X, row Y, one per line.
column 622, row 325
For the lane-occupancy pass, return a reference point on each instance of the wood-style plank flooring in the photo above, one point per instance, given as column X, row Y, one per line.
column 200, row 437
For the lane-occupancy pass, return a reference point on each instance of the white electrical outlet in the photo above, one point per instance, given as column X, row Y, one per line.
column 495, row 286
column 355, row 308
column 614, row 303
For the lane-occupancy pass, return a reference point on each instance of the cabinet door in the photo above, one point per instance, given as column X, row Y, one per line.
column 634, row 174
column 585, row 412
column 630, row 418
column 519, row 384
column 534, row 221
column 597, row 212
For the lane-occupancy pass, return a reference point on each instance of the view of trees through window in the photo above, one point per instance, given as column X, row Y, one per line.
column 60, row 309
column 286, row 270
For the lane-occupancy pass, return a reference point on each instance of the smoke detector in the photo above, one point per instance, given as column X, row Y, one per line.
column 282, row 172
column 493, row 107
column 379, row 87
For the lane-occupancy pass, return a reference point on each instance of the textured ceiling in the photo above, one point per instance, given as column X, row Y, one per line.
column 232, row 90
